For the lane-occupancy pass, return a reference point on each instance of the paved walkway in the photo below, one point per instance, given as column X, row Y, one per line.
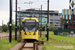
column 16, row 46
column 5, row 34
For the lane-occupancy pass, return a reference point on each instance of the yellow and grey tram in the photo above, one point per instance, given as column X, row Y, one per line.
column 30, row 29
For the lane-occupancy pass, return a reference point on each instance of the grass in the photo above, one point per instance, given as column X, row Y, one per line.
column 13, row 32
column 48, row 45
column 5, row 45
column 64, row 38
column 56, row 45
column 51, row 34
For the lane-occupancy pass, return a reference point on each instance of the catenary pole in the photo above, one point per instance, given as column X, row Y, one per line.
column 48, row 21
column 16, row 21
column 41, row 21
column 19, row 21
column 10, row 23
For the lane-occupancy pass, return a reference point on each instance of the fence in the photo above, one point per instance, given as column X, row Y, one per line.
column 67, row 41
column 56, row 32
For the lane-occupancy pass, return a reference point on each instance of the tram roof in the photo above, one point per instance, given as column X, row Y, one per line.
column 30, row 19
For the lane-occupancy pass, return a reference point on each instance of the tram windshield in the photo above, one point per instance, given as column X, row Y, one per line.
column 30, row 26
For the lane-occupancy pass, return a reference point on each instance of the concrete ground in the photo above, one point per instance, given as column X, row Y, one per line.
column 16, row 46
column 28, row 46
column 5, row 34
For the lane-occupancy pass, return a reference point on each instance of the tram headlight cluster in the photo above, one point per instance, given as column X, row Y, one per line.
column 25, row 33
column 34, row 33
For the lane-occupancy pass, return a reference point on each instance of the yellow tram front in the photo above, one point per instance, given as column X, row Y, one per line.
column 30, row 28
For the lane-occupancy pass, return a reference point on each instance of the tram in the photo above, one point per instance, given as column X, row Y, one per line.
column 30, row 28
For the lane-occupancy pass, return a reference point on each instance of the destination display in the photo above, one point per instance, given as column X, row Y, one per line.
column 29, row 20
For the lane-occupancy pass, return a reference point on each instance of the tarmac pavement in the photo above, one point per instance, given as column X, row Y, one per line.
column 5, row 34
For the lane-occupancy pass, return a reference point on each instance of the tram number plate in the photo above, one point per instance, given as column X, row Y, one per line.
column 29, row 34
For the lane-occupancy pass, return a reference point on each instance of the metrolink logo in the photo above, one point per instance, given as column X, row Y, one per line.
column 72, row 3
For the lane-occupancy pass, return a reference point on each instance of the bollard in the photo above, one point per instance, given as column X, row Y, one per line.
column 70, row 41
column 42, row 42
column 51, row 38
column 66, row 41
column 55, row 39
column 62, row 40
column 59, row 40
column 36, row 46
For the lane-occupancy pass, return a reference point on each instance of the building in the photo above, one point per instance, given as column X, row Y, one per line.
column 68, row 16
column 54, row 16
column 55, row 20
column 68, row 20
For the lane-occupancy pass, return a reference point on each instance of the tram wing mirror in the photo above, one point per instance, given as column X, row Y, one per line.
column 22, row 28
column 45, row 35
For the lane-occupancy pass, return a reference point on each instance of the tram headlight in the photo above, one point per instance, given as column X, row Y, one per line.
column 25, row 33
column 34, row 33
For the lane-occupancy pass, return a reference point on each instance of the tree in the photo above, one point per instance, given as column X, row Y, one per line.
column 43, row 28
column 0, row 29
column 5, row 28
column 51, row 27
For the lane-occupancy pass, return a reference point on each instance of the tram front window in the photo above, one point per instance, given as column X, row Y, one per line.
column 30, row 26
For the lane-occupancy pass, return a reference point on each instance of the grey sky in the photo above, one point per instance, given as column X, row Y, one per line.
column 54, row 5
column 4, row 5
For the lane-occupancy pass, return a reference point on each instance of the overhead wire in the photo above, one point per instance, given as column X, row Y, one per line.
column 31, row 2
column 28, row 2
